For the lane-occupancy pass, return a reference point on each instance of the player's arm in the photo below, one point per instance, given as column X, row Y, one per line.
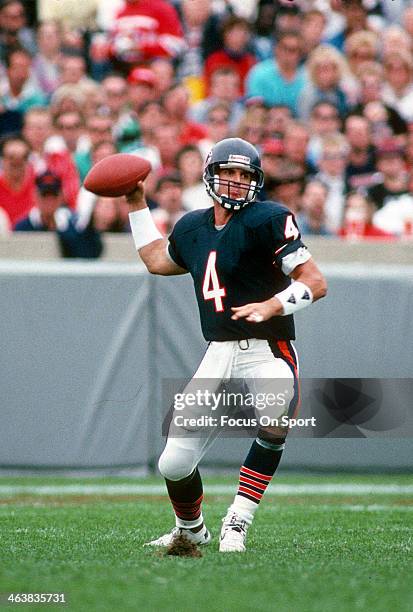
column 309, row 285
column 150, row 244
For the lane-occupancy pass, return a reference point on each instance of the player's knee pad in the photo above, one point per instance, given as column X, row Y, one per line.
column 275, row 440
column 176, row 462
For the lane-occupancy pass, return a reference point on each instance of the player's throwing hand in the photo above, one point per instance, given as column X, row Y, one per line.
column 136, row 198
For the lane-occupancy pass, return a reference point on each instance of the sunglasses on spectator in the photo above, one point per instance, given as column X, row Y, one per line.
column 69, row 126
column 330, row 117
column 17, row 158
column 218, row 120
column 116, row 94
column 392, row 66
column 363, row 54
column 290, row 48
column 332, row 156
column 100, row 130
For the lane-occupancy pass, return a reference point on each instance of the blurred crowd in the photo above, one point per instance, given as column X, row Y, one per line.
column 323, row 88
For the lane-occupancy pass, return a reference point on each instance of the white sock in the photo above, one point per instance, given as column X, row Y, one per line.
column 189, row 524
column 244, row 507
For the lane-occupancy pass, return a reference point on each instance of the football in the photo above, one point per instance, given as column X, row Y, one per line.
column 117, row 175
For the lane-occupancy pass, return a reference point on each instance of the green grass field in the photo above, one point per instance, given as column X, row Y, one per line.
column 321, row 549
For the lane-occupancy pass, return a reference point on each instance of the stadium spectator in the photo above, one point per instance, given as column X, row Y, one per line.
column 312, row 219
column 115, row 91
column 263, row 38
column 5, row 225
column 73, row 69
column 296, row 142
column 393, row 179
column 362, row 46
column 277, row 120
column 150, row 116
column 93, row 98
column 361, row 162
column 67, row 98
column 190, row 165
column 407, row 21
column 107, row 215
column 202, row 35
column 176, row 105
column 170, row 205
column 312, row 28
column 408, row 152
column 18, row 90
column 394, row 38
column 396, row 216
column 324, row 121
column 280, row 80
column 272, row 151
column 288, row 18
column 252, row 125
column 359, row 220
column 98, row 129
column 371, row 78
column 86, row 200
column 145, row 29
column 332, row 165
column 164, row 71
column 69, row 128
column 17, row 187
column 236, row 34
column 166, row 139
column 355, row 20
column 149, row 108
column 225, row 88
column 79, row 16
column 326, row 69
column 46, row 63
column 142, row 88
column 286, row 187
column 37, row 130
column 218, row 122
column 13, row 28
column 398, row 86
column 51, row 214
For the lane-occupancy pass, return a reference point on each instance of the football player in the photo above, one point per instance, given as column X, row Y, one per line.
column 251, row 274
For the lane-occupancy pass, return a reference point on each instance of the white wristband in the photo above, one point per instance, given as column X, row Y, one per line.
column 296, row 297
column 144, row 230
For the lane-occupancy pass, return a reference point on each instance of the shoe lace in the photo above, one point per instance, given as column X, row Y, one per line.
column 176, row 531
column 236, row 523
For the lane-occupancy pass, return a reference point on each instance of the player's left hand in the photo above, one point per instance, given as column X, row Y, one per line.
column 258, row 312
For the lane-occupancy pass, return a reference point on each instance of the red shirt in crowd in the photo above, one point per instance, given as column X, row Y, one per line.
column 147, row 29
column 62, row 165
column 192, row 133
column 370, row 231
column 221, row 59
column 18, row 203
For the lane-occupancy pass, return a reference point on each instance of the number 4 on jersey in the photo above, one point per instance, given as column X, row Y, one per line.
column 211, row 288
column 291, row 230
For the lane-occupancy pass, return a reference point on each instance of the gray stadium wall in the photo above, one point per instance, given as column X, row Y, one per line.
column 84, row 347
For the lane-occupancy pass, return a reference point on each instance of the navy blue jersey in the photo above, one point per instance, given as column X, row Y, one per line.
column 236, row 265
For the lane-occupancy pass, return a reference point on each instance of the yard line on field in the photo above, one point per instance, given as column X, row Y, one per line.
column 213, row 489
column 350, row 507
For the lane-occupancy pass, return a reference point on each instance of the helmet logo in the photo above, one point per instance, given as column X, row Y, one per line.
column 239, row 159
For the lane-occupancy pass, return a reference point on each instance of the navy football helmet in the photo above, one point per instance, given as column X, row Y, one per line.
column 233, row 153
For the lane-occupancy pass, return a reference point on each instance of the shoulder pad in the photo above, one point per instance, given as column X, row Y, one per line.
column 261, row 212
column 191, row 221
